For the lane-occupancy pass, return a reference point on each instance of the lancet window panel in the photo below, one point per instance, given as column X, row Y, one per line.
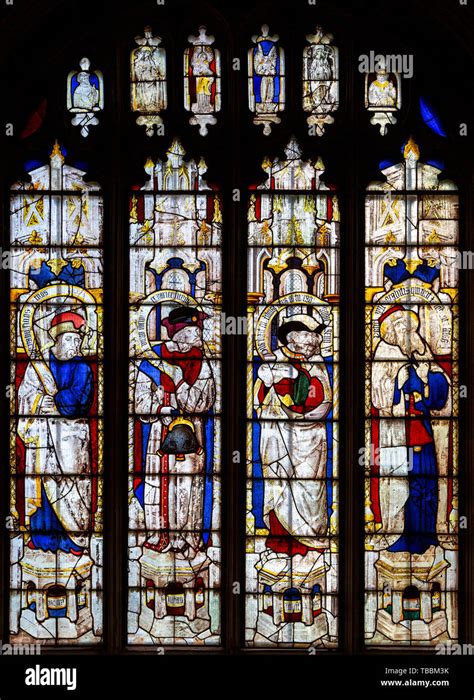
column 412, row 406
column 292, row 530
column 175, row 406
column 56, row 406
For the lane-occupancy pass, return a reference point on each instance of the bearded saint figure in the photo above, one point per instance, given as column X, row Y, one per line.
column 54, row 401
column 294, row 397
column 407, row 386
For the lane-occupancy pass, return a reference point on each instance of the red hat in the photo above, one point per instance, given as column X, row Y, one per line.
column 182, row 317
column 401, row 312
column 67, row 322
column 389, row 311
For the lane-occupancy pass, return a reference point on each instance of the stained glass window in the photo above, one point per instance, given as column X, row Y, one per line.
column 412, row 392
column 383, row 95
column 148, row 86
column 292, row 395
column 207, row 474
column 202, row 80
column 320, row 79
column 175, row 405
column 266, row 68
column 56, row 406
column 85, row 96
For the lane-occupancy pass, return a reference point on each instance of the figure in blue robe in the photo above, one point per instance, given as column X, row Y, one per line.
column 420, row 510
column 75, row 383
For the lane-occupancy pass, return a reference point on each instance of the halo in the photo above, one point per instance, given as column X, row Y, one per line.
column 145, row 308
column 35, row 349
column 323, row 310
column 436, row 317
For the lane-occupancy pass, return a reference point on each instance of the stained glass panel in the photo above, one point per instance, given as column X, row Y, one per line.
column 56, row 400
column 85, row 96
column 292, row 394
column 266, row 69
column 320, row 80
column 202, row 80
column 148, row 86
column 383, row 95
column 175, row 406
column 412, row 391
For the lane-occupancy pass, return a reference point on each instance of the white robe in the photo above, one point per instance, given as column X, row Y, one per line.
column 184, row 514
column 392, row 456
column 293, row 451
column 57, row 450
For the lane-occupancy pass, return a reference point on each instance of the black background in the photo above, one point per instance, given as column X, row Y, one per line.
column 40, row 42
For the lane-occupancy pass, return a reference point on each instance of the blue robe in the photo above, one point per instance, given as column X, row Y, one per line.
column 419, row 531
column 75, row 383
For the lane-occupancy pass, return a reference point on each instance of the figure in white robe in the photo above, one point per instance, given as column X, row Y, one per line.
column 149, row 66
column 203, row 79
column 294, row 397
column 86, row 95
column 265, row 64
column 53, row 403
column 171, row 392
column 382, row 91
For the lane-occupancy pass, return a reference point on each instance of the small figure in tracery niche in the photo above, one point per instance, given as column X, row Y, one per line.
column 382, row 91
column 266, row 79
column 383, row 96
column 202, row 78
column 85, row 96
